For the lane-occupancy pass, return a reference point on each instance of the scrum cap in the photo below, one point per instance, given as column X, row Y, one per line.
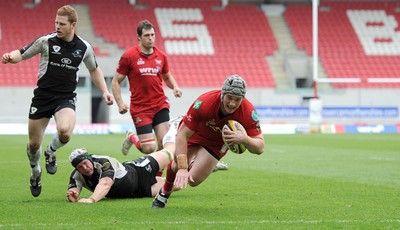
column 78, row 155
column 234, row 85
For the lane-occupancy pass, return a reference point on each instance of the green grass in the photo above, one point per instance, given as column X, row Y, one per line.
column 300, row 182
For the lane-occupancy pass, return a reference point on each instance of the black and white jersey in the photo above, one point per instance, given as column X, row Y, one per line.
column 104, row 166
column 132, row 179
column 60, row 61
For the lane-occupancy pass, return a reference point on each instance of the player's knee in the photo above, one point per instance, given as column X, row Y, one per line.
column 194, row 183
column 33, row 147
column 148, row 147
column 197, row 180
column 64, row 139
column 64, row 134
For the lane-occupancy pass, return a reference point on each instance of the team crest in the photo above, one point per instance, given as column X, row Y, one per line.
column 56, row 50
column 197, row 104
column 77, row 53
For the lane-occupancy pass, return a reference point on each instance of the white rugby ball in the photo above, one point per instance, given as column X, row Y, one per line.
column 231, row 125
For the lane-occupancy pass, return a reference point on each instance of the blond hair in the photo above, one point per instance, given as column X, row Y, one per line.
column 68, row 11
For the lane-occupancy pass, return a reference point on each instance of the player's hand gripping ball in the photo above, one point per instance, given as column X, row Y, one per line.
column 232, row 126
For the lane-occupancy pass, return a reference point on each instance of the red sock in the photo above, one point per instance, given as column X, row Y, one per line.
column 159, row 173
column 135, row 140
column 169, row 180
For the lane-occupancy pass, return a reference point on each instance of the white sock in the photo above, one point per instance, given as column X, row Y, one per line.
column 36, row 171
column 34, row 158
column 170, row 136
column 54, row 144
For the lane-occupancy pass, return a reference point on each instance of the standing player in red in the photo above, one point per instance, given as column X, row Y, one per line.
column 199, row 144
column 146, row 68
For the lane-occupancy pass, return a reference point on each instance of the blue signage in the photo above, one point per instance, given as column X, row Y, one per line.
column 327, row 112
column 370, row 129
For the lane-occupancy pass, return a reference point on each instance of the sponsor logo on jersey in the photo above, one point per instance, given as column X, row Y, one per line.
column 158, row 62
column 56, row 50
column 197, row 104
column 77, row 53
column 254, row 115
column 106, row 166
column 66, row 61
column 149, row 71
column 64, row 65
column 189, row 117
column 212, row 124
column 148, row 168
column 140, row 62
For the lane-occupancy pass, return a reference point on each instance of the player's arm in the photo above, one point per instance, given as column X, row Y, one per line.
column 13, row 57
column 180, row 157
column 98, row 79
column 172, row 84
column 74, row 186
column 254, row 144
column 26, row 52
column 116, row 89
column 101, row 190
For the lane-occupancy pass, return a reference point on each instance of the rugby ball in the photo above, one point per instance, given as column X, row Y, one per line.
column 231, row 125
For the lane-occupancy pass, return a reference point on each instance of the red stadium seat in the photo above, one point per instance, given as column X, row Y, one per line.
column 234, row 50
column 340, row 49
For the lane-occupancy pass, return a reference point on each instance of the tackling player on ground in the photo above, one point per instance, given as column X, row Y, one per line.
column 105, row 176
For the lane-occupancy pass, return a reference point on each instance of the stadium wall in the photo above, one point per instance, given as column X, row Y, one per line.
column 17, row 100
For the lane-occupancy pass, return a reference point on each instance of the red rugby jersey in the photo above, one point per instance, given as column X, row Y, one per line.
column 144, row 75
column 202, row 117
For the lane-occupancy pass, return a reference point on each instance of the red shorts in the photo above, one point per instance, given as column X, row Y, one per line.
column 216, row 151
column 142, row 116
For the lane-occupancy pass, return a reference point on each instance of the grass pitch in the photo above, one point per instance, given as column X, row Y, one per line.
column 300, row 182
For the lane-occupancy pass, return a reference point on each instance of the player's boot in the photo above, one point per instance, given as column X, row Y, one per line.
column 160, row 200
column 221, row 166
column 127, row 144
column 51, row 161
column 170, row 136
column 174, row 122
column 36, row 184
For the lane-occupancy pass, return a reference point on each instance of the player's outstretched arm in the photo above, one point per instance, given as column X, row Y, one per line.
column 12, row 57
column 101, row 190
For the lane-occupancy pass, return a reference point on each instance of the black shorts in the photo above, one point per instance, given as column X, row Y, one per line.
column 46, row 103
column 146, row 169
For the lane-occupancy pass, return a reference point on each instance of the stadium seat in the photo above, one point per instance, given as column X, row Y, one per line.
column 340, row 50
column 212, row 46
